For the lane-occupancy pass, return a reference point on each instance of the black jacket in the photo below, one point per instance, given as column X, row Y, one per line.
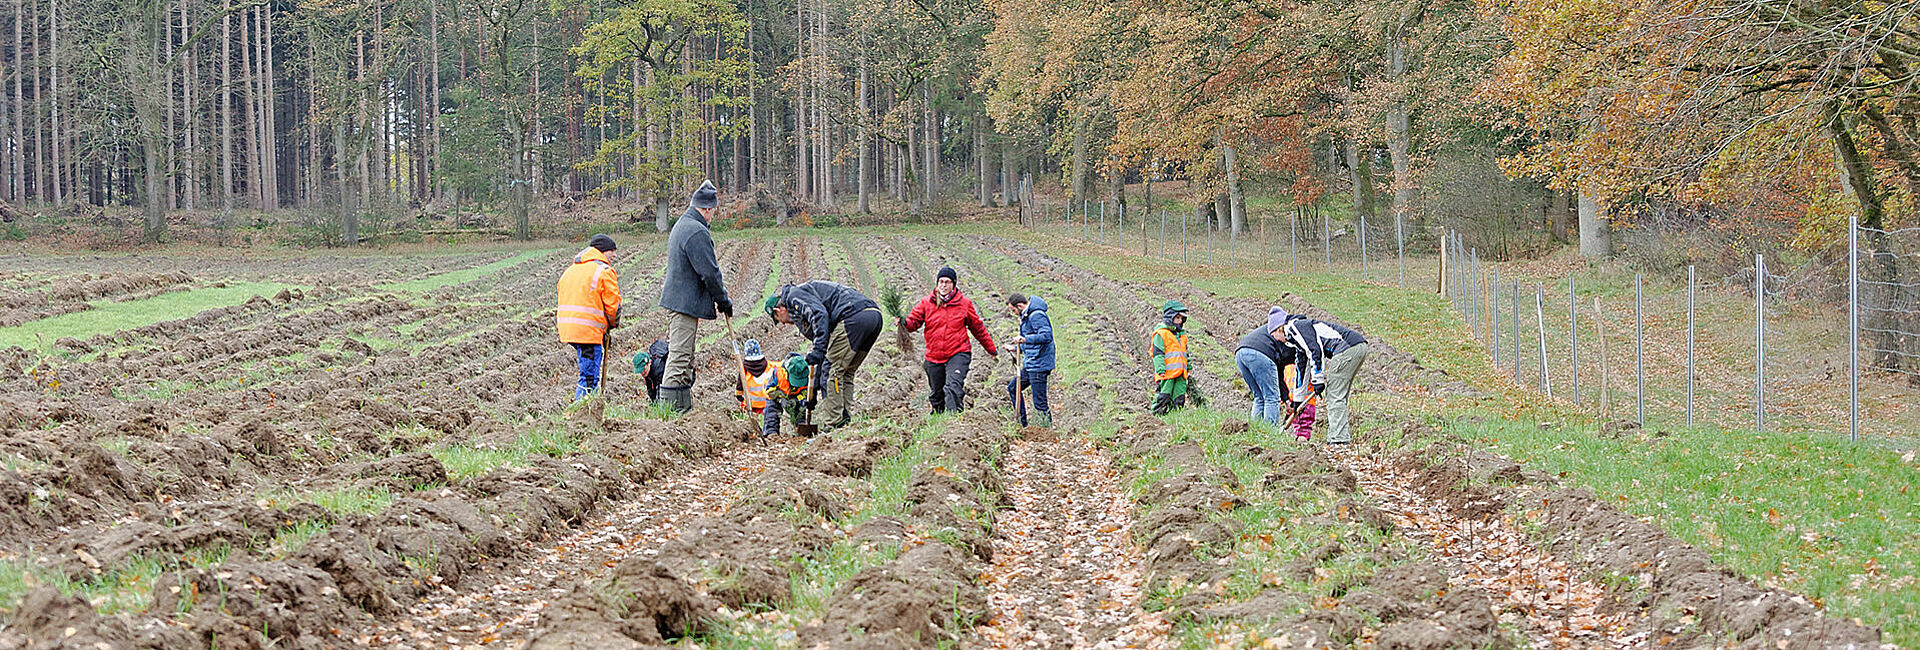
column 1320, row 340
column 816, row 306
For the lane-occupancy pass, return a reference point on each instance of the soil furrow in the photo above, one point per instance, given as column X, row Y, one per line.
column 1492, row 555
column 507, row 609
column 1066, row 572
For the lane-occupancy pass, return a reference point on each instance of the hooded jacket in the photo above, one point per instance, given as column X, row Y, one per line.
column 693, row 283
column 1319, row 340
column 1037, row 331
column 947, row 324
column 815, row 306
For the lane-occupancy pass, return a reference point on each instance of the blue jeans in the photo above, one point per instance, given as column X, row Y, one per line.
column 1036, row 380
column 1263, row 382
column 589, row 368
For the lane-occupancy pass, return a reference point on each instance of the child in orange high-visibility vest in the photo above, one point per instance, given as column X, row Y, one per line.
column 1300, row 402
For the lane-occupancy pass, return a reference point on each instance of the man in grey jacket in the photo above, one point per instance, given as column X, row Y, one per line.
column 693, row 291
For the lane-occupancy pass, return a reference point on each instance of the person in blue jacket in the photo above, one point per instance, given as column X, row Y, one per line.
column 1036, row 357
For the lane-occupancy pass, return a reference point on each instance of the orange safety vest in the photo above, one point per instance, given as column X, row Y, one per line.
column 589, row 298
column 783, row 382
column 754, row 397
column 1174, row 346
column 1290, row 377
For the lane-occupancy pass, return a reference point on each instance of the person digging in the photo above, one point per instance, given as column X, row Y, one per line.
column 1035, row 346
column 786, row 385
column 692, row 291
column 843, row 325
column 651, row 365
column 588, row 308
column 1262, row 353
column 948, row 317
column 1333, row 355
column 1173, row 384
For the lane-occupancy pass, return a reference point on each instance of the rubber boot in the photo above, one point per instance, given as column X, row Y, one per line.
column 679, row 398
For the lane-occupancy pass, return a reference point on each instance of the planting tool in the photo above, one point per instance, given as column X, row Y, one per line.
column 739, row 363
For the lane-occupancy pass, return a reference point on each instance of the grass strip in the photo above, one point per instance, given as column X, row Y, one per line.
column 107, row 317
column 451, row 278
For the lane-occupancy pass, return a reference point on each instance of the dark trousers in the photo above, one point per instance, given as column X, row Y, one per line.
column 1036, row 381
column 947, row 382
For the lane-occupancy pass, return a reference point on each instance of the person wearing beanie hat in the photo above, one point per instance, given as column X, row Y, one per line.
column 693, row 290
column 1331, row 354
column 1172, row 379
column 588, row 308
column 1261, row 355
column 948, row 317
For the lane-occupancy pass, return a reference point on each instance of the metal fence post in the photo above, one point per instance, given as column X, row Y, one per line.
column 1759, row 342
column 1540, row 325
column 1400, row 242
column 1573, row 337
column 1365, row 273
column 1326, row 239
column 1493, row 318
column 1853, row 327
column 1183, row 241
column 1163, row 231
column 1639, row 354
column 1515, row 304
column 1690, row 354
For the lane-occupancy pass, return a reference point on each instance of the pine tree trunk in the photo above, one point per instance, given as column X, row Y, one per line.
column 20, row 71
column 349, row 217
column 269, row 110
column 866, row 140
column 226, row 106
column 39, row 109
column 57, row 184
column 362, row 122
column 252, row 162
column 171, row 132
column 433, row 113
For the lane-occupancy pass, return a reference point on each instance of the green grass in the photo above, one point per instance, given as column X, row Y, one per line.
column 451, row 278
column 126, row 587
column 107, row 317
column 465, row 462
column 1837, row 522
column 343, row 500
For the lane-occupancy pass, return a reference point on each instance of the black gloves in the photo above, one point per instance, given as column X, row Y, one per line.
column 815, row 358
column 725, row 306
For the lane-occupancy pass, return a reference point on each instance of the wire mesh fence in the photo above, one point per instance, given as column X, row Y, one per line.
column 1750, row 351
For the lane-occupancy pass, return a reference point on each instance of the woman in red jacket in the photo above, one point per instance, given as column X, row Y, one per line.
column 948, row 316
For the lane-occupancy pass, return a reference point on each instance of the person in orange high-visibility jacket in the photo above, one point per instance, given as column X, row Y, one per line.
column 1172, row 381
column 589, row 307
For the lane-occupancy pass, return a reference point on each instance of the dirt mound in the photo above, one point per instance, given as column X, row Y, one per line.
column 910, row 602
column 1681, row 585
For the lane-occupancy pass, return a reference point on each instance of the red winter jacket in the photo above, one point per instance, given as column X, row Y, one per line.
column 947, row 324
